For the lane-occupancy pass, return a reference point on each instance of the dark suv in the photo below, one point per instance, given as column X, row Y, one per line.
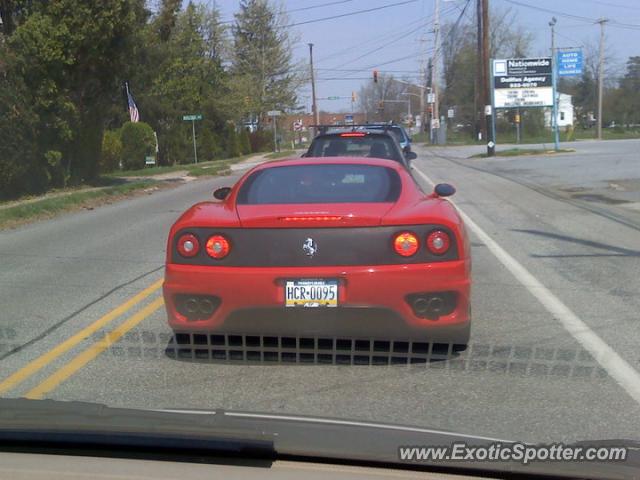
column 358, row 143
column 398, row 132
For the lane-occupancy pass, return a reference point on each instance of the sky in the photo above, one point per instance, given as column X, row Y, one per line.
column 397, row 36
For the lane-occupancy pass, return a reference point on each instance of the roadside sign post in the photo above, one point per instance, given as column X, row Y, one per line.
column 522, row 83
column 274, row 114
column 192, row 119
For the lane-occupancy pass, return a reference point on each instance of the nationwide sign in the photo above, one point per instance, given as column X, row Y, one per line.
column 522, row 82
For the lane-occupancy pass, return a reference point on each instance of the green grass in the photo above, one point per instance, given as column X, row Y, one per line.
column 515, row 152
column 47, row 207
column 189, row 167
column 283, row 154
column 464, row 138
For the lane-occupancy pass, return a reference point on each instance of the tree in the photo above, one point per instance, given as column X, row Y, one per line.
column 188, row 78
column 71, row 69
column 137, row 142
column 627, row 99
column 460, row 59
column 374, row 97
column 262, row 58
column 22, row 164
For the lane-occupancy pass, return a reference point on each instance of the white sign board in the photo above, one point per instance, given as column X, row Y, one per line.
column 522, row 82
column 535, row 97
column 274, row 113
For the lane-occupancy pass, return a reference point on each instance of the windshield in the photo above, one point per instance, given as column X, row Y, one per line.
column 205, row 205
column 355, row 145
column 320, row 184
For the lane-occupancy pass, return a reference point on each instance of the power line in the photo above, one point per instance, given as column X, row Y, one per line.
column 555, row 12
column 613, row 23
column 377, row 38
column 614, row 5
column 387, row 43
column 302, row 9
column 357, row 12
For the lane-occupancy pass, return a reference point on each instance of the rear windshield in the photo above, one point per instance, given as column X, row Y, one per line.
column 375, row 146
column 395, row 131
column 321, row 184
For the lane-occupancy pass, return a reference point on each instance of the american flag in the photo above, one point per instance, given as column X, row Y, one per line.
column 133, row 108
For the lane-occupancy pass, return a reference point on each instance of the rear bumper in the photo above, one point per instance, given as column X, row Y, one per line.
column 374, row 301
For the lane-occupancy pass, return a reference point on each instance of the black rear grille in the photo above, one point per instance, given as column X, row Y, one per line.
column 314, row 350
column 336, row 246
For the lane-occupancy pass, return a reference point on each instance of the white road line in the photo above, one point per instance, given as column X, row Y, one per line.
column 617, row 367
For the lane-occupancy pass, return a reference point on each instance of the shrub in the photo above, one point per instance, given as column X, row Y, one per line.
column 137, row 142
column 232, row 142
column 111, row 151
column 261, row 141
column 245, row 143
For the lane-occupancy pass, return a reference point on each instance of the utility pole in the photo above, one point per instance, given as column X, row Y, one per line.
column 602, row 21
column 479, row 83
column 554, row 112
column 434, row 78
column 314, row 104
column 488, row 107
column 423, row 83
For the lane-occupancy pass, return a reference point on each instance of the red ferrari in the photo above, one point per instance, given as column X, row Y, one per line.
column 322, row 247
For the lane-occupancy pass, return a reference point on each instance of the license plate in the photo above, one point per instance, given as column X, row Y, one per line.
column 311, row 293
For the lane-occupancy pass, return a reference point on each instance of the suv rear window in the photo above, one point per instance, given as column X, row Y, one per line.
column 396, row 131
column 374, row 146
column 338, row 183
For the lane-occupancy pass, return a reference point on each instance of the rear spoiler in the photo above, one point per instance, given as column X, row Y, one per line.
column 351, row 126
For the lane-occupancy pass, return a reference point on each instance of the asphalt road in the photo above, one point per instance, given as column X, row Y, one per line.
column 553, row 355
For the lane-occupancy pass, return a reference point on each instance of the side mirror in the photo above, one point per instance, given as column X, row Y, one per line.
column 444, row 190
column 411, row 155
column 221, row 193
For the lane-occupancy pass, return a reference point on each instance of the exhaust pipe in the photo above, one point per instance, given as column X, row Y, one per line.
column 191, row 306
column 206, row 307
column 435, row 305
column 420, row 305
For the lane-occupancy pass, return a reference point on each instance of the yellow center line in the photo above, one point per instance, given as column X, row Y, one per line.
column 43, row 360
column 80, row 360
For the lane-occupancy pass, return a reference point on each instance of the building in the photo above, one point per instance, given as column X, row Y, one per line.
column 565, row 112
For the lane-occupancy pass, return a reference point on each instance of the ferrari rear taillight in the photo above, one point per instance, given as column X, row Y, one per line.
column 218, row 247
column 406, row 244
column 438, row 242
column 188, row 245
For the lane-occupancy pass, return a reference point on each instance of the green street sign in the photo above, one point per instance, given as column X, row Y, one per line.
column 333, row 98
column 190, row 118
